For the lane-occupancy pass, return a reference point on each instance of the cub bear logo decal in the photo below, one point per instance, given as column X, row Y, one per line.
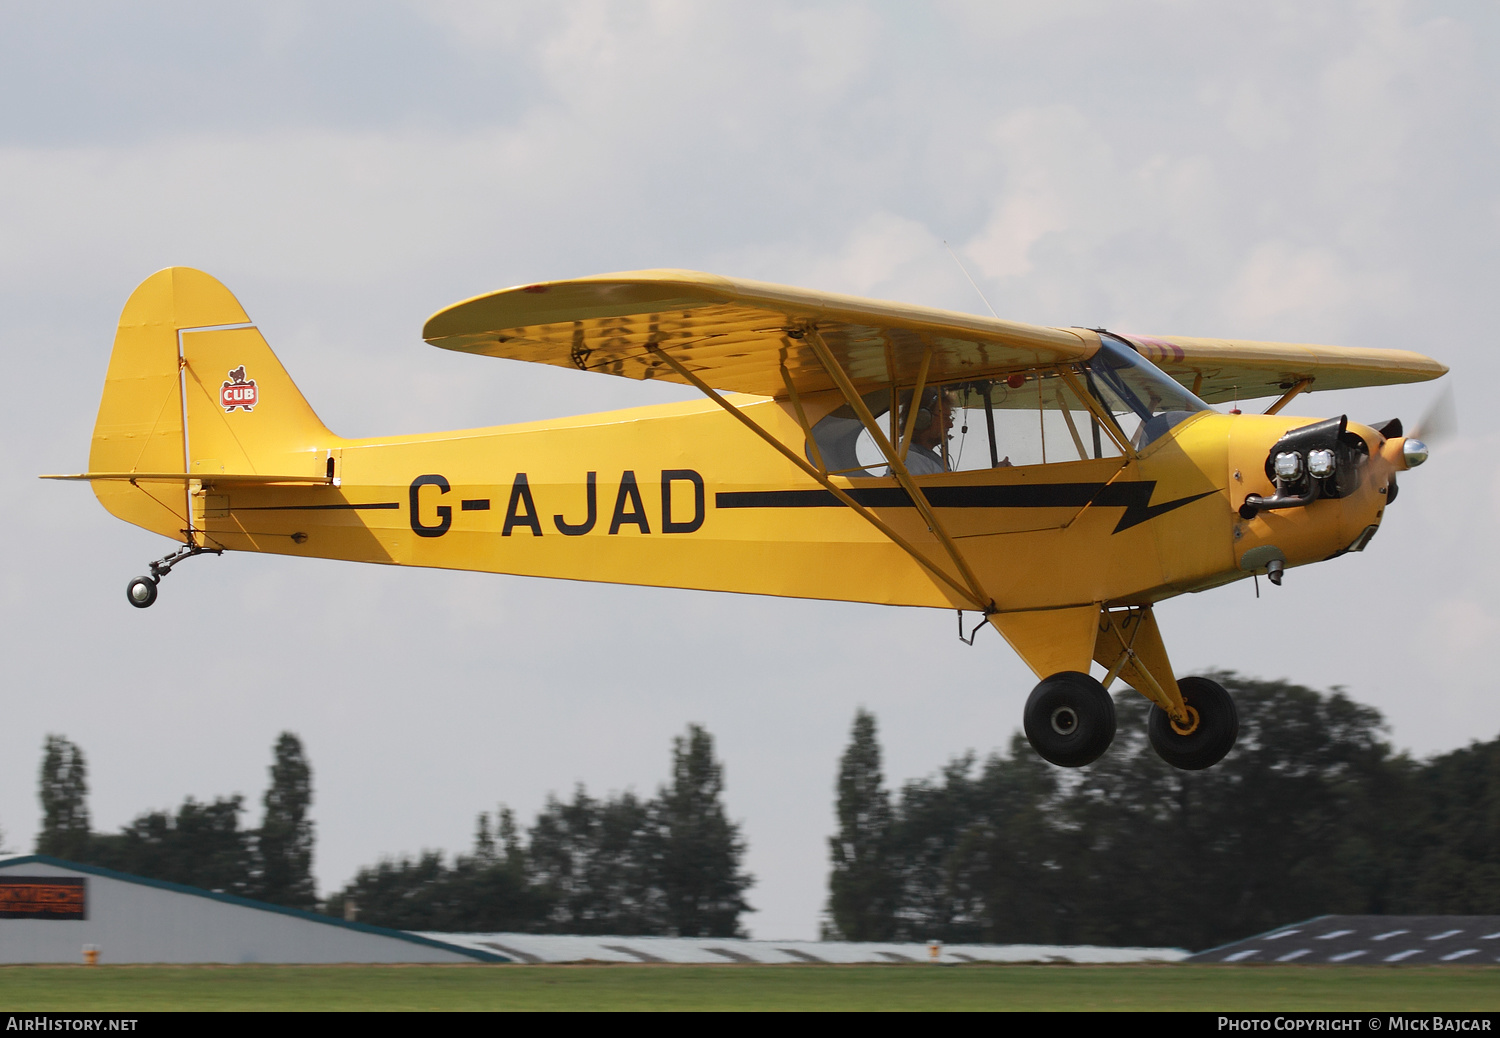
column 238, row 392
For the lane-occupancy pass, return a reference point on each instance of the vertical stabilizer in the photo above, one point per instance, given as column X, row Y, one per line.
column 192, row 388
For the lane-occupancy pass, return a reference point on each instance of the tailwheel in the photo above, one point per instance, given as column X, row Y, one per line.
column 1214, row 724
column 1070, row 719
column 141, row 592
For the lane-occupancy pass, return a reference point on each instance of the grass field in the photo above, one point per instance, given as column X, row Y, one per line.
column 616, row 987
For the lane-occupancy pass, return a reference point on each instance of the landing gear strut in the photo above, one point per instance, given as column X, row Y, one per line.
column 141, row 591
column 1070, row 719
column 1213, row 727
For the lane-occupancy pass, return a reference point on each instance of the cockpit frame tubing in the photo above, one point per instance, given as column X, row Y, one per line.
column 911, row 410
column 975, row 601
column 796, row 398
column 1100, row 412
column 898, row 467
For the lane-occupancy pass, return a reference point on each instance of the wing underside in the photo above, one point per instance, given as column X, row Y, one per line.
column 1238, row 369
column 741, row 336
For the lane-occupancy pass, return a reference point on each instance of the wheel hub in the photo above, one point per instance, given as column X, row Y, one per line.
column 1069, row 719
column 1191, row 726
column 1064, row 720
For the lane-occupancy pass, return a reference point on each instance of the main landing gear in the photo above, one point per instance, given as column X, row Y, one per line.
column 1070, row 719
column 1214, row 725
column 141, row 591
column 1070, row 722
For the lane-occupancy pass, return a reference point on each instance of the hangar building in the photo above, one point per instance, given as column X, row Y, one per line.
column 53, row 910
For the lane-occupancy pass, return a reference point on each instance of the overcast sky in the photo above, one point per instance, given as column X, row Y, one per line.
column 1293, row 171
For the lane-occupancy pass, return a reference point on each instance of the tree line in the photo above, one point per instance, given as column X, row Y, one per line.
column 1313, row 812
column 201, row 845
column 668, row 865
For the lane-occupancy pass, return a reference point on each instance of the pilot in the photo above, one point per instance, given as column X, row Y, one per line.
column 934, row 420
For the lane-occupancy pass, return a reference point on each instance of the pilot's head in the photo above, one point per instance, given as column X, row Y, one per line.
column 934, row 417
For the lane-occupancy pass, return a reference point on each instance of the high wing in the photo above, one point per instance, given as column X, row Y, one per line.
column 749, row 337
column 1229, row 369
column 739, row 335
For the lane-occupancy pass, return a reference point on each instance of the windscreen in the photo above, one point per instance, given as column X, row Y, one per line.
column 1131, row 387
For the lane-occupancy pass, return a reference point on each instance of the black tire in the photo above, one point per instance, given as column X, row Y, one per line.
column 1218, row 727
column 141, row 592
column 1070, row 719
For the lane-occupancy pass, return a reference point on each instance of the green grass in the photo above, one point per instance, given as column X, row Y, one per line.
column 615, row 987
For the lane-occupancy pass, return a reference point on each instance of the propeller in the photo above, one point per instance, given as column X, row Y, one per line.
column 1437, row 424
column 1440, row 421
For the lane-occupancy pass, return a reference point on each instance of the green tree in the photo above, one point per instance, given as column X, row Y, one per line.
column 201, row 846
column 285, row 839
column 620, row 865
column 862, row 885
column 1452, row 844
column 977, row 856
column 698, row 864
column 596, row 860
column 1310, row 814
column 403, row 893
column 64, row 790
column 482, row 892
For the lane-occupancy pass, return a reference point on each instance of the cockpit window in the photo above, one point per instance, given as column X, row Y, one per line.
column 844, row 444
column 1026, row 418
column 1129, row 385
column 1033, row 417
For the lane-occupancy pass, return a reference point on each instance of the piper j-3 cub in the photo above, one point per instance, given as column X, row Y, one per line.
column 1058, row 481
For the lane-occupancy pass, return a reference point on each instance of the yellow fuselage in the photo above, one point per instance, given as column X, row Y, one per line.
column 683, row 496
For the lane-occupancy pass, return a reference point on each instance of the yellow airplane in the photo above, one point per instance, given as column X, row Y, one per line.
column 1058, row 481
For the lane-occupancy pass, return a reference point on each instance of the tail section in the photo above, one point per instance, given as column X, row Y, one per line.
column 193, row 392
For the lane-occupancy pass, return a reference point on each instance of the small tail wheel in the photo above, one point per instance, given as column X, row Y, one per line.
column 141, row 591
column 1070, row 719
column 1214, row 735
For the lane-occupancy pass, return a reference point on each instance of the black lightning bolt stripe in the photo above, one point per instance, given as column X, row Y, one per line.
column 1138, row 506
column 1134, row 497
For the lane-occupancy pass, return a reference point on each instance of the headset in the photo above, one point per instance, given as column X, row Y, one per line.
column 925, row 414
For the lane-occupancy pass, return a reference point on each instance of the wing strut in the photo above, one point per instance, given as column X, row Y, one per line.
column 975, row 597
column 898, row 465
column 1286, row 397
